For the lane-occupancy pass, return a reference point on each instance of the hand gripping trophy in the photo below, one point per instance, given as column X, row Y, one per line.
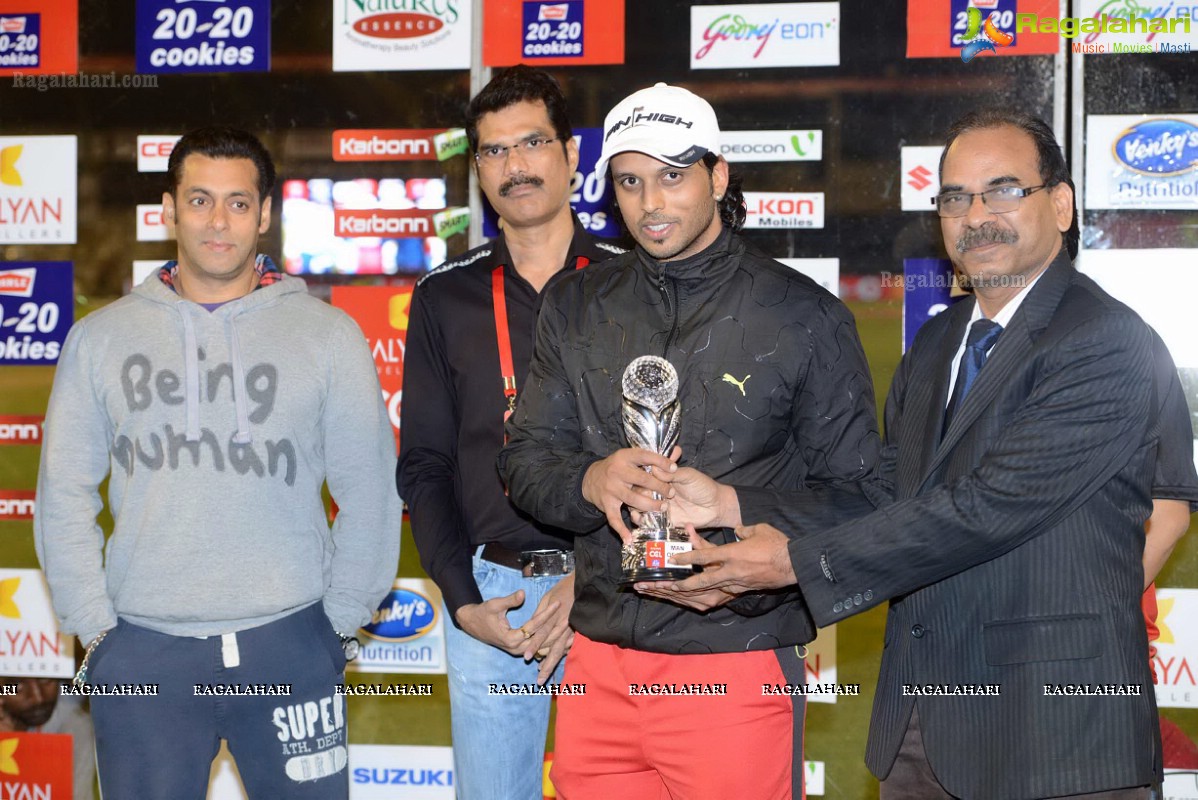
column 651, row 415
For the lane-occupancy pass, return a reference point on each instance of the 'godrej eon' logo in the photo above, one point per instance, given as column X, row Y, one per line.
column 981, row 37
column 1158, row 147
column 402, row 616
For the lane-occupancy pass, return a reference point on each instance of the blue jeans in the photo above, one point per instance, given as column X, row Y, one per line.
column 498, row 740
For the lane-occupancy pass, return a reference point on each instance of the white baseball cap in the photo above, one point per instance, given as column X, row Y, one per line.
column 668, row 123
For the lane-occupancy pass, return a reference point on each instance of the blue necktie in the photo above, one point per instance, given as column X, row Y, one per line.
column 982, row 336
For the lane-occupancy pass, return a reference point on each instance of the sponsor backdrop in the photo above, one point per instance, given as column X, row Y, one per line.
column 765, row 35
column 941, row 28
column 30, row 644
column 38, row 38
column 333, row 223
column 21, row 429
column 376, row 772
column 227, row 36
column 1149, row 295
column 382, row 314
column 152, row 225
column 1140, row 161
column 37, row 307
column 784, row 210
column 772, row 145
column 143, row 267
column 1176, row 658
column 153, row 152
column 407, row 633
column 430, row 36
column 824, row 271
column 1171, row 15
column 553, row 33
column 37, row 189
column 419, row 144
column 919, row 174
column 927, row 285
column 36, row 766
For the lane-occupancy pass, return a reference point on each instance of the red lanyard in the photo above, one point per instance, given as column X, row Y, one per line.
column 506, row 368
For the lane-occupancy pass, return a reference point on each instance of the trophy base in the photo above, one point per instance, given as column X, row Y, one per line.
column 648, row 557
column 668, row 574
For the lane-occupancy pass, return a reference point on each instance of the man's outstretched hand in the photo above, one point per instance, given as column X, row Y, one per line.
column 758, row 562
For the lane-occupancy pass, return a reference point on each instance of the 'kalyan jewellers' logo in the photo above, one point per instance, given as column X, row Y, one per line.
column 981, row 37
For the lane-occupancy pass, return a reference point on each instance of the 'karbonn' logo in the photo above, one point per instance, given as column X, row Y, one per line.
column 20, row 430
column 401, row 19
column 16, row 504
column 981, row 37
column 400, row 224
column 414, row 144
column 403, row 615
column 1158, row 147
column 8, row 165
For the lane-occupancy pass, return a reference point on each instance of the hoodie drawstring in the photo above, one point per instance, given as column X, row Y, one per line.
column 192, row 379
column 243, row 418
column 192, row 385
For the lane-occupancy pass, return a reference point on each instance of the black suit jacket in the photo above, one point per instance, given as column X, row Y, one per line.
column 1010, row 551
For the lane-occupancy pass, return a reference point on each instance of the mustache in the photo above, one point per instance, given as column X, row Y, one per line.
column 520, row 180
column 987, row 233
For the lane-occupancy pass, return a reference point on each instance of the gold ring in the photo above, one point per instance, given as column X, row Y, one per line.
column 527, row 635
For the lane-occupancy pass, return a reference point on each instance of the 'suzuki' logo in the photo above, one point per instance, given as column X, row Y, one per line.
column 17, row 282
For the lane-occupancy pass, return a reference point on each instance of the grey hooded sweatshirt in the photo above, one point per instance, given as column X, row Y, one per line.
column 218, row 430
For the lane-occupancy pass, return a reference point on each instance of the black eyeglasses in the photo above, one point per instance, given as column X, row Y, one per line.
column 999, row 200
column 496, row 153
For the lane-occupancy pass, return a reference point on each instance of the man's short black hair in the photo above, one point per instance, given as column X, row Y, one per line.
column 1053, row 169
column 222, row 142
column 519, row 84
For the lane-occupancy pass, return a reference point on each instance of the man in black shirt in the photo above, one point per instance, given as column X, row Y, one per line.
column 469, row 344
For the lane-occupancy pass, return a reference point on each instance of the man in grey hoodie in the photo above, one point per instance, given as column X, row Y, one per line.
column 217, row 398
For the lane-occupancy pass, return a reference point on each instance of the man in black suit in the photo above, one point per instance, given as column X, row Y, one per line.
column 1021, row 438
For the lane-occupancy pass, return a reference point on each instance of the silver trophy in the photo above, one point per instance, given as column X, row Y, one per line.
column 651, row 415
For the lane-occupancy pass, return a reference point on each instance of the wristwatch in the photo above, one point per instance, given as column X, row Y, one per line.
column 350, row 645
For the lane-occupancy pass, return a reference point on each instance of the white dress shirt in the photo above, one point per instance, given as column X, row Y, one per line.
column 1003, row 318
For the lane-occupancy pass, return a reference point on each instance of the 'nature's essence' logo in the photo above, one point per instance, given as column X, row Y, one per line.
column 982, row 36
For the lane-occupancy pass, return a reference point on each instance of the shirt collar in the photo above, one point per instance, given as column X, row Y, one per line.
column 1007, row 312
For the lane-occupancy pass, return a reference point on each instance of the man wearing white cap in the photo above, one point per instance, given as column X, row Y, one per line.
column 774, row 391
